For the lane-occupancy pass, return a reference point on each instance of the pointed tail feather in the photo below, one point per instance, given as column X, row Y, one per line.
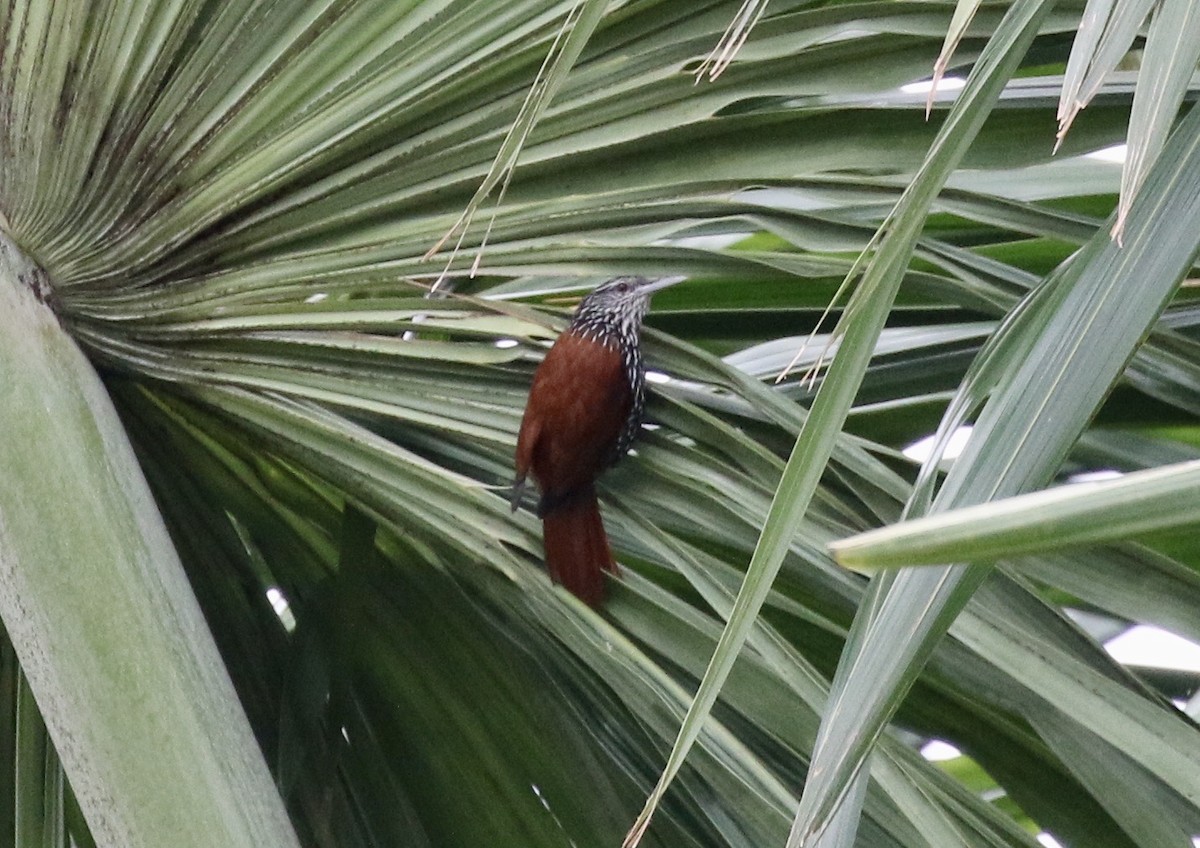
column 577, row 551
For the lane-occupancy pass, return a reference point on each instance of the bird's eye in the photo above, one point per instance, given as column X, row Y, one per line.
column 623, row 288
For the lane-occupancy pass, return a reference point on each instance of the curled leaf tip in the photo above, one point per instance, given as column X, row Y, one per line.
column 939, row 71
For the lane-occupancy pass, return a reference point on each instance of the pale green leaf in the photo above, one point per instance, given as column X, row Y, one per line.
column 1077, row 514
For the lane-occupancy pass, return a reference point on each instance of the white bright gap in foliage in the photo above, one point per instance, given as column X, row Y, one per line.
column 1153, row 647
column 937, row 751
column 923, row 87
column 282, row 608
column 1094, row 476
column 1116, row 153
column 920, row 450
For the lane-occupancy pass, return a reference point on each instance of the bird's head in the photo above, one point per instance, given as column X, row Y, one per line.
column 621, row 301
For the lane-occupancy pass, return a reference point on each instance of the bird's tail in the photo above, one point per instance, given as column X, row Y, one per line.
column 577, row 551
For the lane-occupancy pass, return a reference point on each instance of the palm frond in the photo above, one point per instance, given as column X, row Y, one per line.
column 232, row 202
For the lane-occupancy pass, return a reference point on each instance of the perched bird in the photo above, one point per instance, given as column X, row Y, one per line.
column 584, row 409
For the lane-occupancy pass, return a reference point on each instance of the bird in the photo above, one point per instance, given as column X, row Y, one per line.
column 585, row 407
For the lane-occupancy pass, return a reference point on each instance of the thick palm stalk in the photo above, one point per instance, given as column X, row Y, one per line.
column 99, row 610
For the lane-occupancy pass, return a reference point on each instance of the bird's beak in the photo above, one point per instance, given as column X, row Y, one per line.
column 661, row 283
